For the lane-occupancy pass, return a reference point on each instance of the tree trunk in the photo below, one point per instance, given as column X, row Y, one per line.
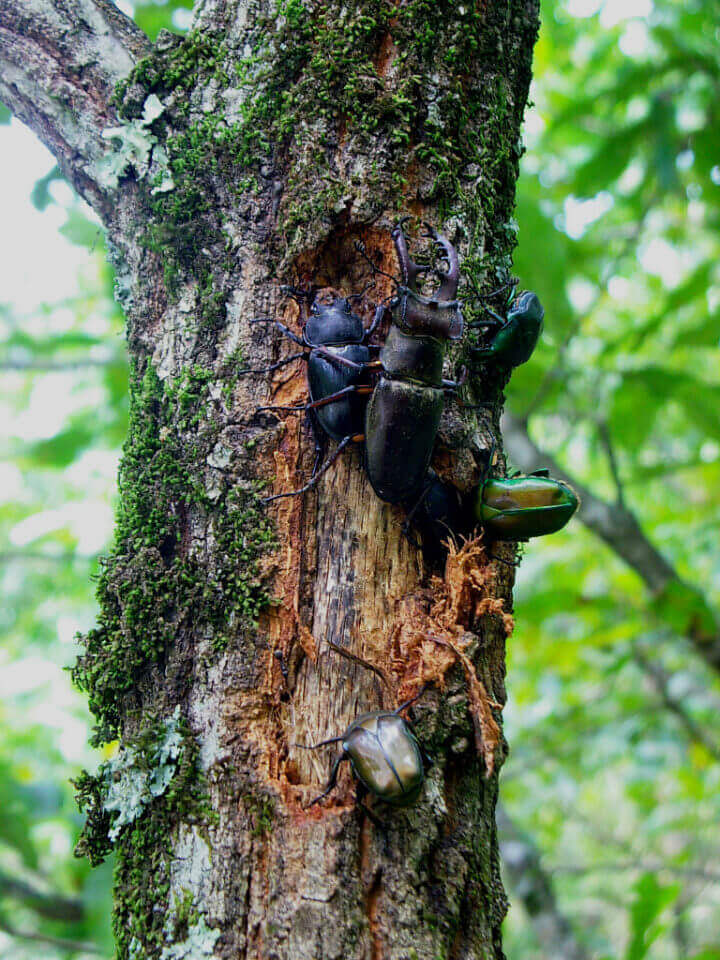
column 254, row 152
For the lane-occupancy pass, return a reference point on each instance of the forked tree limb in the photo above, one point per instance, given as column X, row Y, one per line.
column 59, row 63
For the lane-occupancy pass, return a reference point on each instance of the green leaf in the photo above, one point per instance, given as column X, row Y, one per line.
column 5, row 115
column 81, row 231
column 651, row 899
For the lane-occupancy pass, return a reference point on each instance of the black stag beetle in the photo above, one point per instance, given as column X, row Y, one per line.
column 400, row 422
column 403, row 413
column 338, row 357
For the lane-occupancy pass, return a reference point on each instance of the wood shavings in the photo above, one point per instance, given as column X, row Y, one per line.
column 434, row 629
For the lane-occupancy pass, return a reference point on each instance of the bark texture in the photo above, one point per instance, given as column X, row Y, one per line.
column 253, row 152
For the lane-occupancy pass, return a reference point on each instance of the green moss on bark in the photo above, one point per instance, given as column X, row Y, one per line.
column 152, row 587
column 314, row 80
column 144, row 846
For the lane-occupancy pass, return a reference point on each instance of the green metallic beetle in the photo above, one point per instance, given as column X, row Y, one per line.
column 385, row 756
column 515, row 335
column 384, row 753
column 520, row 507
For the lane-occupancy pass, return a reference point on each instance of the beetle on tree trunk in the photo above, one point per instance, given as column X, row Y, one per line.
column 515, row 336
column 403, row 414
column 338, row 364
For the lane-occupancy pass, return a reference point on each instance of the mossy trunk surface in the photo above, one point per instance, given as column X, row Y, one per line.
column 275, row 137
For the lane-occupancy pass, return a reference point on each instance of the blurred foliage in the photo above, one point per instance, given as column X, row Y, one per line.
column 615, row 759
column 615, row 745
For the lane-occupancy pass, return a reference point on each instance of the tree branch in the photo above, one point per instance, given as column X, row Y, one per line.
column 55, row 366
column 533, row 885
column 72, row 946
column 674, row 601
column 644, row 866
column 661, row 683
column 59, row 63
column 54, row 906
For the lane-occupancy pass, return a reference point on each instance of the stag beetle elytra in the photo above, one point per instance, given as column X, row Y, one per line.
column 338, row 364
column 514, row 336
column 403, row 413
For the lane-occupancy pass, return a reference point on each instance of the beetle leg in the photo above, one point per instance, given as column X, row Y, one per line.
column 353, row 438
column 377, row 319
column 506, row 286
column 456, row 384
column 342, row 361
column 500, row 321
column 363, row 663
column 360, row 247
column 323, row 743
column 508, row 563
column 360, row 795
column 319, row 440
column 322, row 402
column 331, row 782
column 285, row 331
column 407, row 532
column 482, row 353
column 409, row 703
column 274, row 366
column 354, row 388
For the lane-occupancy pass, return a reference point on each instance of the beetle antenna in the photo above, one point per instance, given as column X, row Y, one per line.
column 358, row 296
column 360, row 247
column 363, row 663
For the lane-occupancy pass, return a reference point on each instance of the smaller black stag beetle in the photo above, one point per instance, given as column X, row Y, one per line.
column 403, row 413
column 515, row 336
column 335, row 348
column 384, row 753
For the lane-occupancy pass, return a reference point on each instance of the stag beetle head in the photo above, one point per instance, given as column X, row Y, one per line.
column 330, row 324
column 438, row 315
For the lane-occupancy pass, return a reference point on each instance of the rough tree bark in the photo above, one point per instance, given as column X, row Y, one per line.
column 254, row 152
